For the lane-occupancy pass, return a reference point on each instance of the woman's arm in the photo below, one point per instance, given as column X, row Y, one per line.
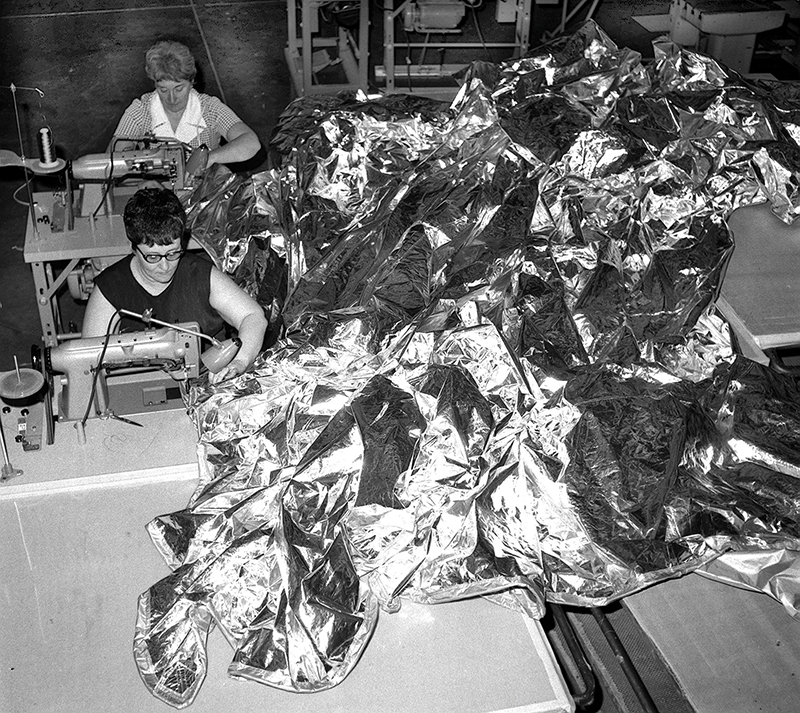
column 242, row 145
column 244, row 314
column 99, row 314
column 130, row 127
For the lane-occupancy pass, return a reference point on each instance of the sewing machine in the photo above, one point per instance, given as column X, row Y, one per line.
column 724, row 29
column 138, row 372
column 74, row 234
column 101, row 177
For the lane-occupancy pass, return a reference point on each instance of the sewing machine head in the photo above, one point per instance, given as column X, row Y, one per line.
column 135, row 372
column 106, row 180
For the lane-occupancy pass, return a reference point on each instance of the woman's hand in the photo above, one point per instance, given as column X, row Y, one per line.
column 235, row 368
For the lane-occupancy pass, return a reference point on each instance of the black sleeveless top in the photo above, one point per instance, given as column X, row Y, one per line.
column 186, row 298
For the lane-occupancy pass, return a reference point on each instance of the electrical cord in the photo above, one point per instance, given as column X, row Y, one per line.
column 17, row 200
column 108, row 181
column 480, row 32
column 408, row 60
column 96, row 374
column 20, row 187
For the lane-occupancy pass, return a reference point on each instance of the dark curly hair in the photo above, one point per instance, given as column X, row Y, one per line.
column 154, row 216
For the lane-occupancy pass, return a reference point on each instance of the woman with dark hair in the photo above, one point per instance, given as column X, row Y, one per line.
column 159, row 276
column 175, row 110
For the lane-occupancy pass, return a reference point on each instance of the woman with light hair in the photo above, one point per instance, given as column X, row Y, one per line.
column 176, row 110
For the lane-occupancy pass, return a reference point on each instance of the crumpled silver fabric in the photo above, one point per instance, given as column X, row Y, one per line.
column 502, row 372
column 235, row 219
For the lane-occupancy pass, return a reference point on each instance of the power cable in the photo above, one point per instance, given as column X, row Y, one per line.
column 96, row 373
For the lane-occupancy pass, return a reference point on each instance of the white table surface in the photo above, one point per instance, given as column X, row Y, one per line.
column 76, row 555
column 165, row 446
column 732, row 650
column 762, row 282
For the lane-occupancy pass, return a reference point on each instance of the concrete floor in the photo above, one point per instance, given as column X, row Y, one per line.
column 87, row 58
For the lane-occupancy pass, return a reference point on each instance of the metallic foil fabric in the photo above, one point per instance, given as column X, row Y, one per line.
column 500, row 370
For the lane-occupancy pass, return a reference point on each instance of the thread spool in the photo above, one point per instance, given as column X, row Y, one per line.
column 47, row 155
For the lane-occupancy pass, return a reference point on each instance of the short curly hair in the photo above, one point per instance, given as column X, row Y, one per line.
column 154, row 216
column 170, row 60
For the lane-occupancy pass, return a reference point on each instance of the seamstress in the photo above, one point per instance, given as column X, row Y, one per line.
column 178, row 286
column 178, row 111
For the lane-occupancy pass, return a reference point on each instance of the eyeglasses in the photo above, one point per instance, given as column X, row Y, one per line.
column 153, row 258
